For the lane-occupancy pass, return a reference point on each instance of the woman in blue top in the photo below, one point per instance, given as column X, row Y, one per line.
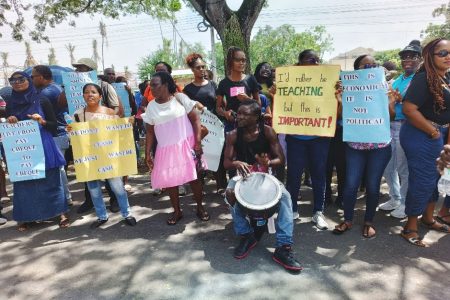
column 308, row 151
column 38, row 199
column 396, row 172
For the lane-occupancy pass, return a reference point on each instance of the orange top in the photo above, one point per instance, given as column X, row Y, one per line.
column 149, row 96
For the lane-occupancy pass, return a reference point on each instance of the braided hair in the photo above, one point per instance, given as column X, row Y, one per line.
column 434, row 80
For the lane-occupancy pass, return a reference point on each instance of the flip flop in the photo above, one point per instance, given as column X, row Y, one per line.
column 174, row 218
column 442, row 220
column 64, row 223
column 366, row 229
column 415, row 240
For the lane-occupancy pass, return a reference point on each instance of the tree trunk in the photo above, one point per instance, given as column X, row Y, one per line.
column 233, row 27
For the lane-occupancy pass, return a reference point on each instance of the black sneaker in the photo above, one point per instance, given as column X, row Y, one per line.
column 247, row 243
column 130, row 220
column 98, row 223
column 85, row 207
column 285, row 257
column 114, row 206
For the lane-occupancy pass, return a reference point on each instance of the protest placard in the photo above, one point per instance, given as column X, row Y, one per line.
column 73, row 87
column 124, row 97
column 103, row 149
column 23, row 149
column 213, row 143
column 305, row 102
column 365, row 112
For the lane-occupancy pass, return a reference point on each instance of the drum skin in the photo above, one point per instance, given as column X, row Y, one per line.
column 258, row 195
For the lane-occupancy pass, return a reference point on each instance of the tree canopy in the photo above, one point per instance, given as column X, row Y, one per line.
column 49, row 13
column 438, row 30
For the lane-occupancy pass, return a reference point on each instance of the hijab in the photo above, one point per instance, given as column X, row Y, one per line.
column 23, row 103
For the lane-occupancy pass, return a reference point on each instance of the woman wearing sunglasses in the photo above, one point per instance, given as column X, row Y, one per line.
column 368, row 161
column 38, row 199
column 427, row 109
column 204, row 91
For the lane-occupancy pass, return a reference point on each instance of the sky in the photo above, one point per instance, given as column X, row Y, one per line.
column 376, row 24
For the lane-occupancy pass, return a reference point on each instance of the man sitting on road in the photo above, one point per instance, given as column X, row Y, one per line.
column 248, row 146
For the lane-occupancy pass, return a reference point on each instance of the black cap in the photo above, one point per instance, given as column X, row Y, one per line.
column 414, row 46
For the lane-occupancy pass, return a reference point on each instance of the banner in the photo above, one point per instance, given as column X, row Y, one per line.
column 212, row 143
column 103, row 149
column 23, row 149
column 73, row 87
column 124, row 97
column 305, row 102
column 365, row 112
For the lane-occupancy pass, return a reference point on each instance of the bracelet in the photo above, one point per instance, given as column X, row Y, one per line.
column 435, row 133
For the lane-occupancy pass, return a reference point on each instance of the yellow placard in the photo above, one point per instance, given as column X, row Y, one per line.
column 103, row 149
column 305, row 103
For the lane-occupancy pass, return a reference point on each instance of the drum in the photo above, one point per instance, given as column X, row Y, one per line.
column 258, row 195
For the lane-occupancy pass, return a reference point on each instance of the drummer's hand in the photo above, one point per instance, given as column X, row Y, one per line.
column 242, row 168
column 263, row 159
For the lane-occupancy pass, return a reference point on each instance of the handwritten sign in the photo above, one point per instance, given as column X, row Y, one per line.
column 23, row 149
column 365, row 112
column 103, row 149
column 213, row 142
column 124, row 97
column 305, row 102
column 73, row 87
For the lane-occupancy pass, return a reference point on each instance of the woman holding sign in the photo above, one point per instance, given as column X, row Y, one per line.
column 39, row 199
column 368, row 161
column 92, row 95
column 173, row 122
column 427, row 109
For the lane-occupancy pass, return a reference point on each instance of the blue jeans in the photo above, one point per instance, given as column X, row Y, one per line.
column 312, row 154
column 116, row 183
column 397, row 169
column 62, row 142
column 421, row 152
column 372, row 162
column 284, row 224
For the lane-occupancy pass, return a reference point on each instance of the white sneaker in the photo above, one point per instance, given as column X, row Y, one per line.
column 399, row 212
column 181, row 190
column 390, row 205
column 296, row 216
column 127, row 187
column 319, row 220
column 3, row 220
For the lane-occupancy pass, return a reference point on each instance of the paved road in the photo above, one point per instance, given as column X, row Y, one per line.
column 193, row 260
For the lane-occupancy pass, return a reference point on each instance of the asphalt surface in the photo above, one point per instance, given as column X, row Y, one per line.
column 193, row 259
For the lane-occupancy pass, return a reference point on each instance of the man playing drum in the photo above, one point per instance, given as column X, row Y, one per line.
column 254, row 146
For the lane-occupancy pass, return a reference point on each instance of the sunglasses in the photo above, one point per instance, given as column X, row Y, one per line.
column 113, row 74
column 369, row 66
column 409, row 58
column 442, row 53
column 242, row 60
column 17, row 80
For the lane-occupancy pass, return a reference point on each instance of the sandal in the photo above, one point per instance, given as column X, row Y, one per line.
column 442, row 219
column 23, row 227
column 415, row 240
column 203, row 215
column 64, row 223
column 366, row 231
column 174, row 218
column 436, row 226
column 341, row 228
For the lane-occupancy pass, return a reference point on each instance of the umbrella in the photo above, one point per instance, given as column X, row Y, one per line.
column 56, row 72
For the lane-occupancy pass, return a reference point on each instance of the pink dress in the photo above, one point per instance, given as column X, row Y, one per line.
column 174, row 162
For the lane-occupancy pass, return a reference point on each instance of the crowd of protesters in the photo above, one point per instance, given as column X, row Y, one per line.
column 166, row 114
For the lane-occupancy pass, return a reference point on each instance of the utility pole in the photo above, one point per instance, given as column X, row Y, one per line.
column 213, row 54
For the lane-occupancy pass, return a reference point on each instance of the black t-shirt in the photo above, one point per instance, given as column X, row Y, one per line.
column 205, row 94
column 419, row 94
column 227, row 87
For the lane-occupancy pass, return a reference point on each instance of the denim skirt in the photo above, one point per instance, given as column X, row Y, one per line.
column 421, row 152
